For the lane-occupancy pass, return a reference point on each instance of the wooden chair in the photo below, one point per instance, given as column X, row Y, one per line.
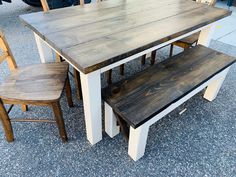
column 39, row 85
column 76, row 74
column 191, row 40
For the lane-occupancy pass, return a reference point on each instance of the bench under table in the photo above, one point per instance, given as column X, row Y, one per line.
column 141, row 100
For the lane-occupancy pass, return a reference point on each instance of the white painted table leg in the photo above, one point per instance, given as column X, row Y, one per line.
column 91, row 89
column 214, row 87
column 111, row 127
column 137, row 141
column 206, row 35
column 45, row 52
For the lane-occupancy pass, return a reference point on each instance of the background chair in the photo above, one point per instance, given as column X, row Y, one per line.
column 39, row 85
column 191, row 40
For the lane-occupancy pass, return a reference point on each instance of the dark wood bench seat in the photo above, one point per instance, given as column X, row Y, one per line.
column 140, row 98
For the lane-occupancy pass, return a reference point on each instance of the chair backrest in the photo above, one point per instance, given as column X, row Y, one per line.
column 46, row 6
column 208, row 2
column 6, row 53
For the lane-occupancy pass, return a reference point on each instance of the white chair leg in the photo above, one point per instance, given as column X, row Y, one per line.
column 213, row 89
column 111, row 127
column 137, row 141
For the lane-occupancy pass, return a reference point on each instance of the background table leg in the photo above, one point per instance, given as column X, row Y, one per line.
column 45, row 52
column 91, row 90
column 206, row 35
column 213, row 89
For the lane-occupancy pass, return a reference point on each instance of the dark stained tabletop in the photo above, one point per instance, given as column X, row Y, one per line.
column 99, row 34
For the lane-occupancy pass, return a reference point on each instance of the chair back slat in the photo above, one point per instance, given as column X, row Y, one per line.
column 81, row 2
column 45, row 5
column 7, row 54
column 208, row 2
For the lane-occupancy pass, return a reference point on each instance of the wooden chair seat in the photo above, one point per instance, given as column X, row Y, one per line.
column 190, row 40
column 141, row 100
column 41, row 83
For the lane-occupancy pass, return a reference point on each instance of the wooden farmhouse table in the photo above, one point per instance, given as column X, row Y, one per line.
column 97, row 37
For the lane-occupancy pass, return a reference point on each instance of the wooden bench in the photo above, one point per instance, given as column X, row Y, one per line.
column 140, row 101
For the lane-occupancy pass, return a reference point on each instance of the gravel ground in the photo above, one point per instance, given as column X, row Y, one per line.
column 200, row 142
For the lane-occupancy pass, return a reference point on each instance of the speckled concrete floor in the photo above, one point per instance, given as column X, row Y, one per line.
column 200, row 142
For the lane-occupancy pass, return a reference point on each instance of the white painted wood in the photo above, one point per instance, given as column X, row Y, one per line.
column 45, row 52
column 137, row 141
column 111, row 127
column 206, row 35
column 214, row 87
column 148, row 51
column 91, row 89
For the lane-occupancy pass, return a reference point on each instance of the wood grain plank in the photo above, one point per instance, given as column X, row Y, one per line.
column 91, row 45
column 139, row 98
column 71, row 37
column 95, row 54
column 41, row 83
column 55, row 14
column 68, row 23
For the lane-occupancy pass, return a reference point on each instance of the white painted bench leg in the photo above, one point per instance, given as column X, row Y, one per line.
column 111, row 127
column 45, row 52
column 214, row 87
column 91, row 89
column 137, row 141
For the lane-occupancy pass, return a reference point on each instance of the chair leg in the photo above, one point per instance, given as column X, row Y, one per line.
column 171, row 50
column 109, row 77
column 78, row 84
column 24, row 107
column 143, row 60
column 153, row 57
column 122, row 69
column 58, row 58
column 59, row 120
column 68, row 93
column 6, row 123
